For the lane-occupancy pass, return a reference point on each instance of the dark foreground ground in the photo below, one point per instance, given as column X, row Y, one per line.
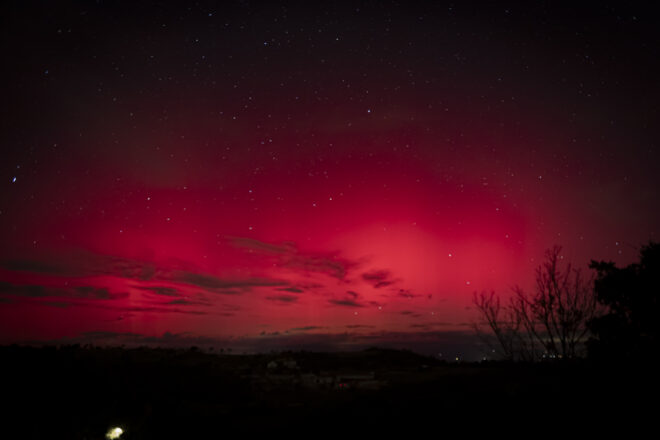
column 79, row 393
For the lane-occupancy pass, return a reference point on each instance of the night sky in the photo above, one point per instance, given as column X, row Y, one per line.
column 328, row 176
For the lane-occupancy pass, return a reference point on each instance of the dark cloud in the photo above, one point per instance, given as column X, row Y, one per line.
column 92, row 292
column 406, row 293
column 283, row 298
column 305, row 328
column 263, row 247
column 291, row 289
column 39, row 291
column 159, row 310
column 32, row 291
column 222, row 285
column 311, row 286
column 131, row 309
column 328, row 266
column 99, row 335
column 352, row 293
column 160, row 290
column 148, row 271
column 430, row 325
column 379, row 278
column 80, row 296
column 82, row 264
column 345, row 302
column 58, row 304
column 43, row 267
column 185, row 302
column 168, row 340
column 354, row 326
column 289, row 256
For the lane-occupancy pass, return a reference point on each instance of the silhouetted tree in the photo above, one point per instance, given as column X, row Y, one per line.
column 550, row 322
column 629, row 329
column 504, row 322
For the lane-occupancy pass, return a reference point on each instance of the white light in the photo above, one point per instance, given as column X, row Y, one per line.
column 114, row 433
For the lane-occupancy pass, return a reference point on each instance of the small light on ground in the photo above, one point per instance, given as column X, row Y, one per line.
column 114, row 433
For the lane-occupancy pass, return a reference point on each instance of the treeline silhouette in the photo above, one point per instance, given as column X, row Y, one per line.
column 628, row 330
column 612, row 316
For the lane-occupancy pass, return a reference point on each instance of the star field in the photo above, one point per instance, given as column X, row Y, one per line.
column 281, row 174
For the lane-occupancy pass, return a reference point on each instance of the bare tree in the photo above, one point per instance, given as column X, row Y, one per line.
column 507, row 329
column 490, row 312
column 550, row 322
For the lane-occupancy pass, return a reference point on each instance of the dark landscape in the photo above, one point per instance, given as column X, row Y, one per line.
column 81, row 392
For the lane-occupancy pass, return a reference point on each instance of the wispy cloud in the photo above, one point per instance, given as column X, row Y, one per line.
column 430, row 325
column 87, row 264
column 187, row 302
column 263, row 247
column 379, row 278
column 89, row 297
column 352, row 293
column 224, row 285
column 82, row 264
column 288, row 255
column 287, row 299
column 291, row 289
column 160, row 290
column 406, row 293
column 345, row 302
column 92, row 292
column 39, row 291
column 305, row 328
